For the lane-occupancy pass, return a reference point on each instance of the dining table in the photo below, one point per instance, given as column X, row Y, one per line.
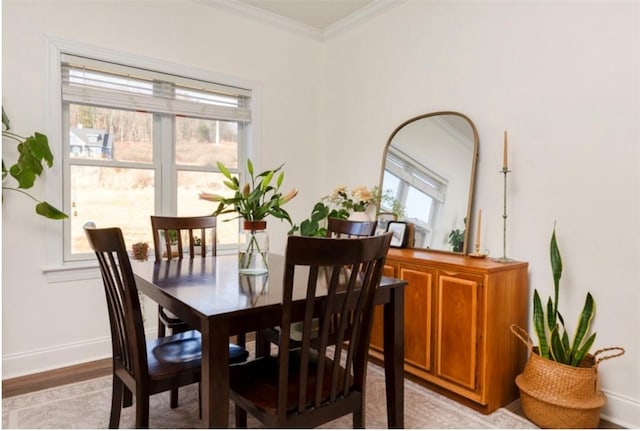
column 213, row 297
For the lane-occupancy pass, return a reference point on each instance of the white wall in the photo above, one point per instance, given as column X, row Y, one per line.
column 562, row 77
column 49, row 325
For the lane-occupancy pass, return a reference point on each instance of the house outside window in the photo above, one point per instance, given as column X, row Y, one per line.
column 139, row 142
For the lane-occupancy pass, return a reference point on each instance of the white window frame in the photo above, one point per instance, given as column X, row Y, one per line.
column 57, row 269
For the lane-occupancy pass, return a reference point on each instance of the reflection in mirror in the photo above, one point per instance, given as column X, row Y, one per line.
column 428, row 178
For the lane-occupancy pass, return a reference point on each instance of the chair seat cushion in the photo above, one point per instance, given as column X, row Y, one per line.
column 257, row 382
column 168, row 355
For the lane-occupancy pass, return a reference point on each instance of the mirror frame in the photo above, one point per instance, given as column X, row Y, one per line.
column 474, row 164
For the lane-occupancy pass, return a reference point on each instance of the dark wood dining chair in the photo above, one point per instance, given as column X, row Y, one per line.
column 141, row 368
column 336, row 228
column 350, row 228
column 172, row 237
column 307, row 386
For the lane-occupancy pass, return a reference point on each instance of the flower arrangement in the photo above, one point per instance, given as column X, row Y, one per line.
column 343, row 203
column 257, row 199
column 357, row 200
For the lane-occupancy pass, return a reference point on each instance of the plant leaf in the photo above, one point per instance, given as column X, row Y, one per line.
column 588, row 311
column 582, row 351
column 538, row 322
column 47, row 210
column 556, row 268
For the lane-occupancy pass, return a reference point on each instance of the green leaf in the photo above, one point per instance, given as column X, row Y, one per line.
column 582, row 351
column 588, row 311
column 6, row 124
column 47, row 210
column 558, row 352
column 280, row 179
column 538, row 323
column 266, row 180
column 551, row 315
column 556, row 267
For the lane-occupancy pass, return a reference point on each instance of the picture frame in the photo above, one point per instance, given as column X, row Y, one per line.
column 399, row 229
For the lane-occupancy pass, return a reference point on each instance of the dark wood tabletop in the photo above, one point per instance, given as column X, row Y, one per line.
column 213, row 297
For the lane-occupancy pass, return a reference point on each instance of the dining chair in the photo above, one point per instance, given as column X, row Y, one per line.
column 140, row 367
column 307, row 386
column 171, row 237
column 336, row 228
column 169, row 242
column 350, row 228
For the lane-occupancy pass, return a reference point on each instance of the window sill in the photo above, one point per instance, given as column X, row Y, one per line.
column 73, row 271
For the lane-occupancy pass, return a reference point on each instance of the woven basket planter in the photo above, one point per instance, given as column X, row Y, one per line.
column 555, row 395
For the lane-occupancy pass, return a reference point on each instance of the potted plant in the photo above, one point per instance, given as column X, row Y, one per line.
column 341, row 204
column 456, row 239
column 559, row 385
column 140, row 250
column 256, row 200
column 33, row 152
column 197, row 245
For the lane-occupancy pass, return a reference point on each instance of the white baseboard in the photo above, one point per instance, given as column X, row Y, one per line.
column 35, row 361
column 64, row 355
column 621, row 410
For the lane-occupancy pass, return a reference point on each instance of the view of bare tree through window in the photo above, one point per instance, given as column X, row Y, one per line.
column 114, row 178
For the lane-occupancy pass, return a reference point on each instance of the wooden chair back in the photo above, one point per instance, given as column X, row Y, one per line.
column 339, row 228
column 125, row 316
column 183, row 230
column 313, row 387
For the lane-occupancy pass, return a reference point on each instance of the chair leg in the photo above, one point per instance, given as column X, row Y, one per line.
column 117, row 389
column 263, row 346
column 174, row 398
column 241, row 417
column 358, row 419
column 142, row 409
column 199, row 400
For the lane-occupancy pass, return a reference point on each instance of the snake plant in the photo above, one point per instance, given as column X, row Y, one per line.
column 552, row 335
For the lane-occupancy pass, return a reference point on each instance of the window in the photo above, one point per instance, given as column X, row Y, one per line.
column 139, row 142
column 418, row 190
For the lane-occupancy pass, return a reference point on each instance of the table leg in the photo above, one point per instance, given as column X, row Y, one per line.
column 394, row 358
column 215, row 374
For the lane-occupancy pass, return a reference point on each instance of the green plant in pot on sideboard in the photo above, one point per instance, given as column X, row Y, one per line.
column 559, row 386
column 341, row 204
column 253, row 202
column 33, row 152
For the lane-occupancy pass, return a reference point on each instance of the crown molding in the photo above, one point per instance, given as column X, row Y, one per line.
column 372, row 9
column 244, row 9
column 264, row 16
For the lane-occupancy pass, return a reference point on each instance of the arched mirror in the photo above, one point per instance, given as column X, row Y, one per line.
column 427, row 179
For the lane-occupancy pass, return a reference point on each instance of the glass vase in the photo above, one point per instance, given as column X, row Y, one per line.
column 253, row 250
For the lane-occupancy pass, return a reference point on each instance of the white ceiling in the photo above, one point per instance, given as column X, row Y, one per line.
column 319, row 14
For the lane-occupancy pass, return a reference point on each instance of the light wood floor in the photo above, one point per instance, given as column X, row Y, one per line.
column 102, row 367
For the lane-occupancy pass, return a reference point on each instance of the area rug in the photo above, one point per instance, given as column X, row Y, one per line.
column 86, row 405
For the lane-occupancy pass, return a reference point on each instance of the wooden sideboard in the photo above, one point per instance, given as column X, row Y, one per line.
column 458, row 311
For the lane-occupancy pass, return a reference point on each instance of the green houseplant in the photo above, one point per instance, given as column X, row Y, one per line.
column 253, row 202
column 340, row 204
column 559, row 385
column 34, row 154
column 553, row 338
